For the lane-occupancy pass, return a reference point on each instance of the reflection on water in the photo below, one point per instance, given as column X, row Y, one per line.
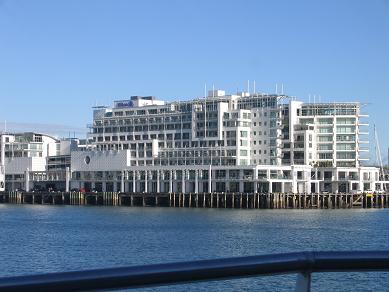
column 37, row 239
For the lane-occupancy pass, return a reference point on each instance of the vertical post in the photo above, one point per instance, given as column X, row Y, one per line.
column 183, row 188
column 196, row 190
column 146, row 180
column 27, row 180
column 67, row 179
column 133, row 183
column 122, row 182
column 303, row 282
column 171, row 182
column 158, row 181
column 210, row 179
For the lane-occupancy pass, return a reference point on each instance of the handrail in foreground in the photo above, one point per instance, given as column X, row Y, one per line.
column 301, row 263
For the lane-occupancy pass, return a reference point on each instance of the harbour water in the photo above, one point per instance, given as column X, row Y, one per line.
column 40, row 238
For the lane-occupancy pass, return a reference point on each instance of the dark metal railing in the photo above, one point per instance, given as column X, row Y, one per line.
column 301, row 263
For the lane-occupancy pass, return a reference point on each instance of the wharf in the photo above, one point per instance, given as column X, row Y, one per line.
column 203, row 200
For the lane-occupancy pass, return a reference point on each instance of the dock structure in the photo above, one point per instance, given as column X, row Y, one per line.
column 203, row 200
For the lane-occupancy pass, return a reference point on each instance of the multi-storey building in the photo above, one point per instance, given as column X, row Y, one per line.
column 225, row 143
column 35, row 161
column 244, row 142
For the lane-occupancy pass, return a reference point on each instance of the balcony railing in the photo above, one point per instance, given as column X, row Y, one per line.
column 303, row 264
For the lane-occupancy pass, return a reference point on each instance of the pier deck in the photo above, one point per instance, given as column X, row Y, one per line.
column 202, row 200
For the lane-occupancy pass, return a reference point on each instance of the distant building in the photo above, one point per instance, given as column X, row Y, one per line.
column 35, row 160
column 242, row 143
column 219, row 143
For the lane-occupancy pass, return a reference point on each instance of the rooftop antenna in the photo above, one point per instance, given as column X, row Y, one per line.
column 248, row 87
column 205, row 111
column 282, row 88
column 276, row 88
column 309, row 98
column 254, row 87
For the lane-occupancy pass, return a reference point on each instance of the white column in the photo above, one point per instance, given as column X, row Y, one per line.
column 134, row 181
column 282, row 187
column 270, row 186
column 171, row 182
column 183, row 172
column 158, row 181
column 27, row 180
column 210, row 179
column 196, row 182
column 67, row 179
column 146, row 180
column 294, row 181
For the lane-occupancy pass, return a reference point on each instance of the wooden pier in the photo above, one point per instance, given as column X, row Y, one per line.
column 202, row 200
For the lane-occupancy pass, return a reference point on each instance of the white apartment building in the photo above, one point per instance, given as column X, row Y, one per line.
column 242, row 143
column 34, row 160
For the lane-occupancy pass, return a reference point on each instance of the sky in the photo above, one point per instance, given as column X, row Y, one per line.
column 60, row 58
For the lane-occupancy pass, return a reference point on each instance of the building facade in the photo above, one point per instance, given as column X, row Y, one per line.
column 219, row 143
column 226, row 143
column 35, row 161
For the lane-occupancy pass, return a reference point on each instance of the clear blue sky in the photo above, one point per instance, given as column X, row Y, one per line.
column 58, row 58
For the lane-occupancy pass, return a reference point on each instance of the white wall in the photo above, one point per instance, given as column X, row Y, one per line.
column 100, row 160
column 18, row 165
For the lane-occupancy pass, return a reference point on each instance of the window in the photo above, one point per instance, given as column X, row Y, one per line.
column 243, row 143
